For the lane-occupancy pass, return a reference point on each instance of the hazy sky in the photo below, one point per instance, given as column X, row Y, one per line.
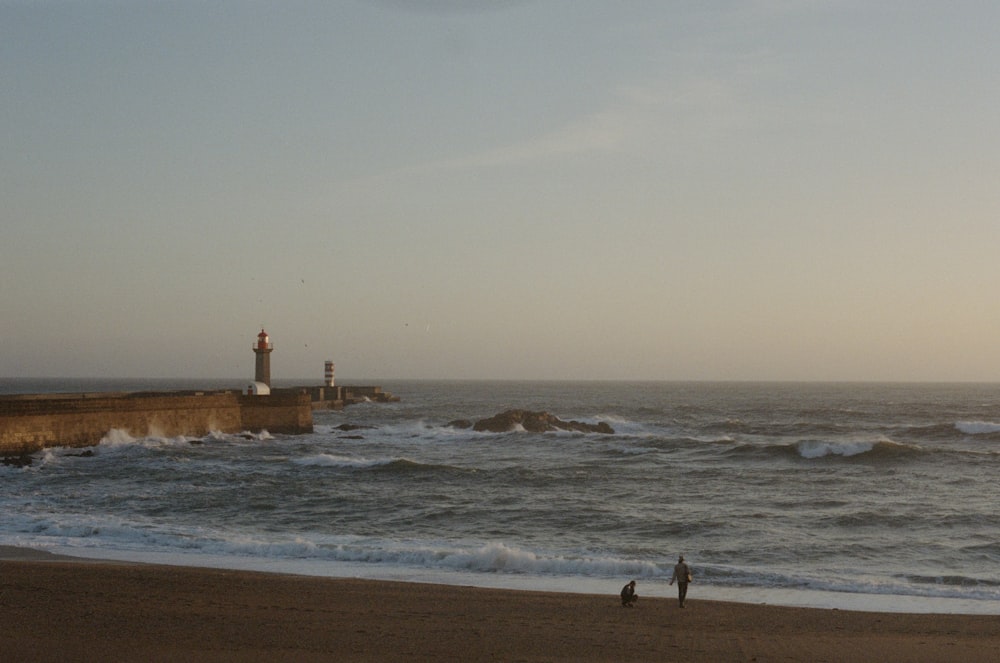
column 578, row 189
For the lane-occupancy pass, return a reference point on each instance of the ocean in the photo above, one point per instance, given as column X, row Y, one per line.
column 866, row 496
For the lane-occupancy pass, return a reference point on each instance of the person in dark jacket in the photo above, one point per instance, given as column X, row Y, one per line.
column 628, row 595
column 682, row 576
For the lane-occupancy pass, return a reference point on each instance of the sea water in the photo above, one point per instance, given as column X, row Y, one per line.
column 871, row 496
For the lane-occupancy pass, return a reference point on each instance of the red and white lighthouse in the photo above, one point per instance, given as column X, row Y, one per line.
column 263, row 351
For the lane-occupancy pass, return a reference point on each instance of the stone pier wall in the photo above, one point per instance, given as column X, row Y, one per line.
column 289, row 413
column 32, row 422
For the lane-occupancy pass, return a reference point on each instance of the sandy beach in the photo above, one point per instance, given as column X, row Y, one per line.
column 59, row 609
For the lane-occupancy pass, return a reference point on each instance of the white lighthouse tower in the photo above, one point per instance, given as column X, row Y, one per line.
column 263, row 349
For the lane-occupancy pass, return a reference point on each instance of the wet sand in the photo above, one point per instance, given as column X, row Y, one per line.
column 60, row 609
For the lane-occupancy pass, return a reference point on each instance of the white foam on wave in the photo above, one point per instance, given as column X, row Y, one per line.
column 846, row 448
column 819, row 449
column 490, row 558
column 219, row 436
column 111, row 534
column 119, row 440
column 977, row 427
column 333, row 460
column 74, row 531
column 117, row 437
column 500, row 557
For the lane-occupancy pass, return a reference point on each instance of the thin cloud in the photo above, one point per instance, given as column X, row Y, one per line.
column 600, row 132
column 639, row 119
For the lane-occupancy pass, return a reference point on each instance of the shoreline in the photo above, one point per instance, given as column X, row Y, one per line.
column 652, row 587
column 66, row 609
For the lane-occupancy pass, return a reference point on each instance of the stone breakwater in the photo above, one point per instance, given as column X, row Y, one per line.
column 31, row 422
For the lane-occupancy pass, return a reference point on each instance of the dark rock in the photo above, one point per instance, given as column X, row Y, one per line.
column 16, row 461
column 460, row 423
column 536, row 422
column 350, row 427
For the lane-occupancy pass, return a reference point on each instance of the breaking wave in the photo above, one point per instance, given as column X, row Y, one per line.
column 352, row 463
column 882, row 448
column 332, row 460
column 978, row 427
column 876, row 448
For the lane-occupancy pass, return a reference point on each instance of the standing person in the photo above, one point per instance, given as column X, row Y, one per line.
column 682, row 575
column 628, row 595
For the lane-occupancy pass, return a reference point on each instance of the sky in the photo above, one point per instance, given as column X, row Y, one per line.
column 515, row 189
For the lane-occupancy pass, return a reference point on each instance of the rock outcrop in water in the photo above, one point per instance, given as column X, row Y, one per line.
column 536, row 422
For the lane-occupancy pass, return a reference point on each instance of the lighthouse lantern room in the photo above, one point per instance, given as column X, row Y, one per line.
column 263, row 349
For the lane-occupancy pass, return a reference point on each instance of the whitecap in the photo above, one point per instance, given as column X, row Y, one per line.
column 819, row 449
column 332, row 460
column 493, row 557
column 117, row 437
column 978, row 427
